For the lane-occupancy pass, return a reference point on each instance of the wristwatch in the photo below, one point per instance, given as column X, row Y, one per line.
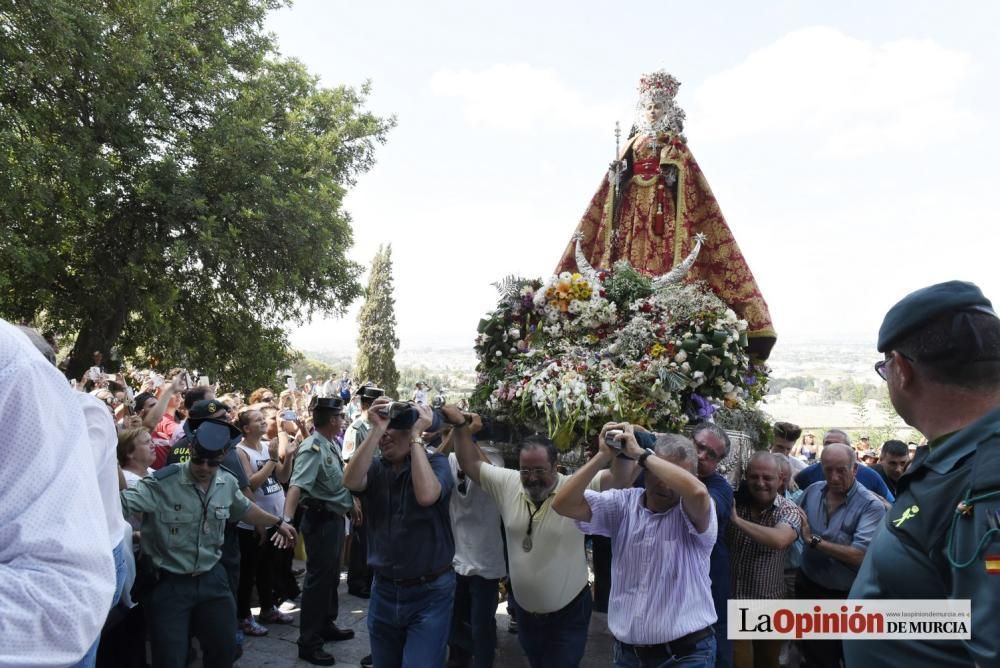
column 815, row 540
column 643, row 457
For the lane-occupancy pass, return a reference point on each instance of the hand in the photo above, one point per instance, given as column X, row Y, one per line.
column 603, row 449
column 424, row 421
column 805, row 530
column 133, row 422
column 375, row 412
column 631, row 447
column 176, row 385
column 284, row 536
column 452, row 414
column 477, row 422
column 291, row 448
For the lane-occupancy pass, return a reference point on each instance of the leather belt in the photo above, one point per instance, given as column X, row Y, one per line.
column 543, row 615
column 413, row 582
column 678, row 647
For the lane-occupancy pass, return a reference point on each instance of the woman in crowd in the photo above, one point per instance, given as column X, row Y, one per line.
column 135, row 454
column 258, row 558
column 261, row 395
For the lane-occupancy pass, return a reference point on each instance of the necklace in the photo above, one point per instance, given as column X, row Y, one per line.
column 527, row 543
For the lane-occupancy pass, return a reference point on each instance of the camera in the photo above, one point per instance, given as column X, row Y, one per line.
column 611, row 439
column 396, row 409
column 404, row 414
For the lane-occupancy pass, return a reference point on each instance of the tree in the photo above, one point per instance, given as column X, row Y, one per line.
column 377, row 342
column 171, row 186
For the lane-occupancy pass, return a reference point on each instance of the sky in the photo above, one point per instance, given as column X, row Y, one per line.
column 852, row 149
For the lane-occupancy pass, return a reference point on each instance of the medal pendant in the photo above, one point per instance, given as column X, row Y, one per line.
column 526, row 543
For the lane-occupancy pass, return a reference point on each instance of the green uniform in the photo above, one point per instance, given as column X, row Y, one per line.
column 319, row 472
column 928, row 549
column 183, row 530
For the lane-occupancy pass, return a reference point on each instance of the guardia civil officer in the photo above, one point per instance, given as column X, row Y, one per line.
column 318, row 484
column 185, row 509
column 941, row 539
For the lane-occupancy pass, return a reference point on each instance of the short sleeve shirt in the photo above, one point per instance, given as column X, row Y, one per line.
column 759, row 570
column 554, row 571
column 318, row 471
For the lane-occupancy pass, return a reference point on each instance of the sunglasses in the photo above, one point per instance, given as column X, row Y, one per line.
column 203, row 461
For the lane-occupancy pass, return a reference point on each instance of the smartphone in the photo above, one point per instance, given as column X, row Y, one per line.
column 289, row 415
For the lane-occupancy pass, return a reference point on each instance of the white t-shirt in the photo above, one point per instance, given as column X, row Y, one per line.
column 57, row 574
column 475, row 523
column 270, row 496
column 103, row 438
column 554, row 571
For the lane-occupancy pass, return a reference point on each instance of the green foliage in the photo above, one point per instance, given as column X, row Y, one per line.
column 377, row 342
column 306, row 366
column 625, row 284
column 171, row 186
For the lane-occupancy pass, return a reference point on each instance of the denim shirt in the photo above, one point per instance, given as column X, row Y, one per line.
column 853, row 523
column 405, row 539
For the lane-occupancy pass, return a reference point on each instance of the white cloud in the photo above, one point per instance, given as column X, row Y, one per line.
column 852, row 96
column 522, row 98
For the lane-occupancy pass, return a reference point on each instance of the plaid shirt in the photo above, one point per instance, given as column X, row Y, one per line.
column 758, row 571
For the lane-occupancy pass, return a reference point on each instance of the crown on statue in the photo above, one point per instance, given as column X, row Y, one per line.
column 659, row 85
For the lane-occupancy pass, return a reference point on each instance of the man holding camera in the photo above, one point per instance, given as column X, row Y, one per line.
column 185, row 510
column 318, row 483
column 405, row 495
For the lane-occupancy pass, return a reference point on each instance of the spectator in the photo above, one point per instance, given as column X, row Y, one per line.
column 807, row 449
column 135, row 454
column 479, row 565
column 892, row 463
column 870, row 458
column 839, row 518
column 261, row 395
column 814, row 472
column 405, row 494
column 661, row 538
column 764, row 526
column 420, row 394
column 57, row 573
column 318, row 481
column 548, row 565
column 359, row 575
column 344, row 388
column 785, row 436
column 191, row 397
column 257, row 561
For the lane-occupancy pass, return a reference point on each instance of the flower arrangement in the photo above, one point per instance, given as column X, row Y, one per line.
column 565, row 355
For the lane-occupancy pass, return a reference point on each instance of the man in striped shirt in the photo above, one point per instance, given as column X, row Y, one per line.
column 661, row 610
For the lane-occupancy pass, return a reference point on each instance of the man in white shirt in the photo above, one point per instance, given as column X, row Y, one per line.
column 548, row 566
column 57, row 575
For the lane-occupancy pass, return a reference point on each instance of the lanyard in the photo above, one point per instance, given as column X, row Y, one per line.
column 527, row 543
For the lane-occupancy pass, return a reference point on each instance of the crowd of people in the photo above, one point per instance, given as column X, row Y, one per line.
column 164, row 511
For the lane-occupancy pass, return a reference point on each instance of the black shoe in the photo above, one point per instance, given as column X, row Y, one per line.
column 336, row 634
column 360, row 593
column 366, row 662
column 317, row 657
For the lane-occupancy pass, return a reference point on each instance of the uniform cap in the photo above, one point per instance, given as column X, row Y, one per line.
column 928, row 303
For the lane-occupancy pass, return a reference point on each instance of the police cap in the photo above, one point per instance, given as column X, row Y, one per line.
column 212, row 437
column 334, row 404
column 928, row 303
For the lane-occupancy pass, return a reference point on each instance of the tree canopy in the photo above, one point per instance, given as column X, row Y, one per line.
column 173, row 187
column 377, row 341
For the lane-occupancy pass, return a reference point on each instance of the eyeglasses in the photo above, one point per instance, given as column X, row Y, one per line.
column 537, row 472
column 267, row 398
column 203, row 461
column 881, row 364
column 708, row 452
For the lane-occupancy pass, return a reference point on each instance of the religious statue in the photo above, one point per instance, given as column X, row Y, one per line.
column 653, row 204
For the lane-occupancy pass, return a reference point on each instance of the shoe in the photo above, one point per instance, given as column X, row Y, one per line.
column 366, row 662
column 275, row 616
column 360, row 593
column 335, row 634
column 512, row 626
column 317, row 657
column 250, row 627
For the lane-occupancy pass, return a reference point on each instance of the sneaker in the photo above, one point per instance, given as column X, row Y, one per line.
column 250, row 627
column 275, row 616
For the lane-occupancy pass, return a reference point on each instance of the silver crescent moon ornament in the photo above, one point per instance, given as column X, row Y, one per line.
column 677, row 274
column 581, row 261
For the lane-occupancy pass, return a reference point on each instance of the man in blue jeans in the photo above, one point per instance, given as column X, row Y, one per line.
column 404, row 495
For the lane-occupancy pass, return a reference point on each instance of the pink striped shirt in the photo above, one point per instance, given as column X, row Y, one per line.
column 660, row 589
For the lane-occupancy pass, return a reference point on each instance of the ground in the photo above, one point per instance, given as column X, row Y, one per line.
column 278, row 647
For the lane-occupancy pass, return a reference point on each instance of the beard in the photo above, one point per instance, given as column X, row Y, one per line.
column 538, row 491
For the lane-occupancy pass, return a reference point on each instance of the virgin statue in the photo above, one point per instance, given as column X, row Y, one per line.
column 652, row 205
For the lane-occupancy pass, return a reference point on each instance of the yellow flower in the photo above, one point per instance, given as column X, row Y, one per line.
column 657, row 350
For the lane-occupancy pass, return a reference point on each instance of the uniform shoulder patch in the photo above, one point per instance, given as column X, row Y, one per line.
column 166, row 471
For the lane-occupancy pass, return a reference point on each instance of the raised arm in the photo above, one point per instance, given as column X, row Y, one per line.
column 154, row 416
column 426, row 486
column 356, row 472
column 569, row 501
column 778, row 537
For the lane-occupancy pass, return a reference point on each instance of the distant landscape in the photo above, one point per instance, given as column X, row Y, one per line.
column 817, row 385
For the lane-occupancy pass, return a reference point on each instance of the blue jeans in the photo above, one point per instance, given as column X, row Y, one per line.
column 557, row 639
column 474, row 626
column 121, row 570
column 703, row 656
column 408, row 626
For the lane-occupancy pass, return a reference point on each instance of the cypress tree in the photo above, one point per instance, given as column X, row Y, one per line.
column 377, row 342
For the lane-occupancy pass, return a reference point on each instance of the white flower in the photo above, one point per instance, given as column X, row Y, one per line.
column 499, row 354
column 686, row 367
column 515, row 333
column 680, row 357
column 730, row 315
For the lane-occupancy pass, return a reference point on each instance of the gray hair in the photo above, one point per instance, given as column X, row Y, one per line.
column 851, row 452
column 713, row 429
column 785, row 466
column 677, row 450
column 36, row 339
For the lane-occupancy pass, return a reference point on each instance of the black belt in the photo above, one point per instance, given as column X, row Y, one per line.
column 678, row 647
column 413, row 582
column 321, row 511
column 543, row 615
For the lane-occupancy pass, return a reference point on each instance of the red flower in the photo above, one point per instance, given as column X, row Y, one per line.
column 646, row 308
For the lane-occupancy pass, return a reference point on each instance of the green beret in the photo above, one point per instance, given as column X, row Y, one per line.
column 928, row 303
